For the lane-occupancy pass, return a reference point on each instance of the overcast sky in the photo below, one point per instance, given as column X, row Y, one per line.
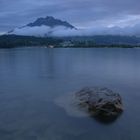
column 80, row 13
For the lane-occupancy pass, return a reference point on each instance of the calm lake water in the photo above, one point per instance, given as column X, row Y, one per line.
column 31, row 79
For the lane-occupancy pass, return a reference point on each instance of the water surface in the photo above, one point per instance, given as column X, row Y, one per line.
column 31, row 79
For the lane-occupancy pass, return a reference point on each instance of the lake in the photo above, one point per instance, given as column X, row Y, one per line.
column 31, row 80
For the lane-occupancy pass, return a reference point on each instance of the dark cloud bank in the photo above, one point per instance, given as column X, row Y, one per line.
column 91, row 16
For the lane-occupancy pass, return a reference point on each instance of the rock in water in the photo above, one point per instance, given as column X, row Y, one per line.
column 100, row 102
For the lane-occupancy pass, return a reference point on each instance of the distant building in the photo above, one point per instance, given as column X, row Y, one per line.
column 67, row 44
column 50, row 46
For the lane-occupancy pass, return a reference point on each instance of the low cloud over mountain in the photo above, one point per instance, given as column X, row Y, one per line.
column 50, row 26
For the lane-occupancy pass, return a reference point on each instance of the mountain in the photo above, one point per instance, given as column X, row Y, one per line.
column 51, row 22
column 48, row 26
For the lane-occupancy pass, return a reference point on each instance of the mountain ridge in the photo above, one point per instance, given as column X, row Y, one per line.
column 51, row 22
column 43, row 27
column 50, row 26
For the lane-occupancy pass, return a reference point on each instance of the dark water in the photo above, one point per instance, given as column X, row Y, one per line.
column 32, row 78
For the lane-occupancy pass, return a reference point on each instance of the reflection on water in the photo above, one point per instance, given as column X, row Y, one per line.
column 32, row 78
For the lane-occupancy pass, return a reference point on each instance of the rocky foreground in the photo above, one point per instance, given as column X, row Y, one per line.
column 102, row 103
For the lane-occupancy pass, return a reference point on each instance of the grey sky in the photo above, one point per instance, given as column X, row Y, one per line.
column 80, row 13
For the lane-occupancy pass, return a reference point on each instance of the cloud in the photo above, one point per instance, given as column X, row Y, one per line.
column 46, row 31
column 81, row 13
column 60, row 31
column 32, row 31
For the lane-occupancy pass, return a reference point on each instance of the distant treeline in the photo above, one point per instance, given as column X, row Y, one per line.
column 11, row 41
column 106, row 39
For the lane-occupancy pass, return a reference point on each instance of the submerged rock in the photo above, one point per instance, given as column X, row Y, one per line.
column 69, row 103
column 102, row 103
